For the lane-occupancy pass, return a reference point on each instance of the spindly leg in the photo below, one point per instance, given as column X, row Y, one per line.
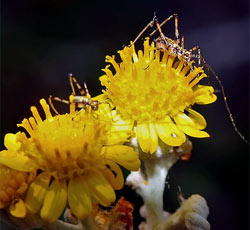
column 150, row 24
column 209, row 68
column 176, row 28
column 175, row 16
column 83, row 92
column 196, row 56
column 56, row 99
column 163, row 23
column 182, row 42
column 163, row 37
column 86, row 90
column 71, row 84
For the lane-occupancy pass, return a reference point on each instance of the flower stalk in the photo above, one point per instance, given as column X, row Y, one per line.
column 149, row 181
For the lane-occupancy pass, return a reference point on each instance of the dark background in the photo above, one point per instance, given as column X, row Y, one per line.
column 44, row 40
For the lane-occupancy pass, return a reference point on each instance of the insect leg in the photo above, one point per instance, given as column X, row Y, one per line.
column 86, row 89
column 182, row 42
column 56, row 99
column 72, row 80
column 160, row 31
column 71, row 84
column 196, row 56
column 176, row 28
column 199, row 56
column 150, row 24
column 162, row 24
column 225, row 100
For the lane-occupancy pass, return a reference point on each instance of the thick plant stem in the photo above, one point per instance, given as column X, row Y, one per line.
column 149, row 182
column 153, row 192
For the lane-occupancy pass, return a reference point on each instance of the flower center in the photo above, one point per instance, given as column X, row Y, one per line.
column 148, row 86
column 67, row 145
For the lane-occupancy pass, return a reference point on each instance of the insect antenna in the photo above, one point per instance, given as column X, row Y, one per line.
column 225, row 100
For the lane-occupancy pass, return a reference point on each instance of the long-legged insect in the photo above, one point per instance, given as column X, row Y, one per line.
column 176, row 48
column 83, row 101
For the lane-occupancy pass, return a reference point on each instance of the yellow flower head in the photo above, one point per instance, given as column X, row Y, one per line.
column 154, row 91
column 13, row 186
column 77, row 155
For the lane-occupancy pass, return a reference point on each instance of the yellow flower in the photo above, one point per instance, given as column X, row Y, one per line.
column 13, row 186
column 77, row 155
column 153, row 91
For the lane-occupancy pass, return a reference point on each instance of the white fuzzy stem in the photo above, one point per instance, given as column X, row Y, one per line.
column 149, row 182
column 153, row 192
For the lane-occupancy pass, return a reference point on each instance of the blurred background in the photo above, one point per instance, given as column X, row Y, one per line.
column 44, row 40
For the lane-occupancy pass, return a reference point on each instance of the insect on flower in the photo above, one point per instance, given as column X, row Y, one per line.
column 83, row 101
column 176, row 48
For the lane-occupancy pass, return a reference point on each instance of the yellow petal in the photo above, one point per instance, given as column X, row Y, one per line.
column 18, row 209
column 111, row 60
column 79, row 197
column 36, row 114
column 197, row 118
column 104, row 78
column 114, row 175
column 204, row 94
column 193, row 75
column 36, row 193
column 120, row 124
column 10, row 142
column 46, row 109
column 100, row 189
column 123, row 155
column 54, row 202
column 169, row 133
column 121, row 130
column 186, row 124
column 190, row 131
column 101, row 97
column 108, row 72
column 19, row 162
column 25, row 124
column 143, row 136
column 104, row 109
column 183, row 120
column 153, row 139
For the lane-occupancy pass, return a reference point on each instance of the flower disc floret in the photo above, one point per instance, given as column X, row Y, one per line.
column 155, row 90
column 13, row 186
